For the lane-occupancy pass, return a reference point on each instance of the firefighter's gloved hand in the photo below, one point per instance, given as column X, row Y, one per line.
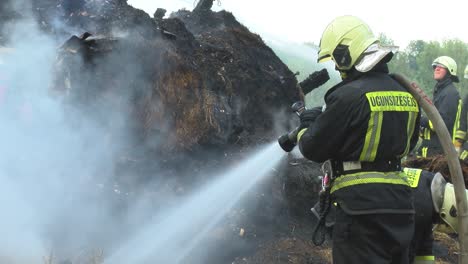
column 308, row 117
column 424, row 127
column 424, row 122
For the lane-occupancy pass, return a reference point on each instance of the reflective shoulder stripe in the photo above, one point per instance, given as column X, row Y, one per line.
column 368, row 177
column 424, row 152
column 299, row 135
column 409, row 131
column 392, row 101
column 456, row 125
column 412, row 176
column 460, row 134
column 427, row 133
column 371, row 143
column 464, row 155
column 424, row 260
column 431, row 126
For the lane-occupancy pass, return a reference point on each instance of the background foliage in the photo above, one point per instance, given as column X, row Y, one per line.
column 414, row 62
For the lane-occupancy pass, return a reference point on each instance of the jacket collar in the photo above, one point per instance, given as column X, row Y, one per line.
column 441, row 84
column 353, row 74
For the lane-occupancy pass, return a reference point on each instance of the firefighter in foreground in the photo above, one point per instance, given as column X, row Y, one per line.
column 461, row 133
column 447, row 101
column 368, row 123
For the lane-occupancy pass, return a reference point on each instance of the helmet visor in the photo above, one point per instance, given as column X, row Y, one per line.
column 436, row 64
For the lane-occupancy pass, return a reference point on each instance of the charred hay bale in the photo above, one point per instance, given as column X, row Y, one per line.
column 182, row 90
column 302, row 185
column 241, row 67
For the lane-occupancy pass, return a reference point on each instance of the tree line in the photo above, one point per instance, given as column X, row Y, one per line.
column 416, row 61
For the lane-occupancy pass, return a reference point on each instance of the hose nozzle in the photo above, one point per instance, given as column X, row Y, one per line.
column 289, row 140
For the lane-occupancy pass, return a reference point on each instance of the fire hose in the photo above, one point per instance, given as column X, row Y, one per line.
column 452, row 160
column 320, row 230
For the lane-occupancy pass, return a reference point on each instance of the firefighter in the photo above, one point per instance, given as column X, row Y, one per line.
column 435, row 204
column 447, row 101
column 461, row 133
column 369, row 122
column 421, row 245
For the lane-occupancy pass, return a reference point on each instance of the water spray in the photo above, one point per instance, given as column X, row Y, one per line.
column 172, row 237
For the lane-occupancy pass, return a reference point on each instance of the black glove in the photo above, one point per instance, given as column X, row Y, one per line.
column 308, row 117
column 424, row 122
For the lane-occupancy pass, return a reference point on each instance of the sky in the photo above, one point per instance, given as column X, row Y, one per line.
column 304, row 20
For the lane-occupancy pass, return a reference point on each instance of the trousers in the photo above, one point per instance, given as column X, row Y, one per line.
column 372, row 238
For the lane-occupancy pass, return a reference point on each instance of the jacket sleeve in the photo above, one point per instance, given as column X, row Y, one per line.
column 326, row 135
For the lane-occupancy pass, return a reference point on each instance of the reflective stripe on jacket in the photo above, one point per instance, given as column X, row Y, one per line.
column 424, row 260
column 463, row 128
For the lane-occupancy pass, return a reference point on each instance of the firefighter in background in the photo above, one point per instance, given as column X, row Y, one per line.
column 434, row 204
column 369, row 122
column 461, row 133
column 446, row 99
column 421, row 245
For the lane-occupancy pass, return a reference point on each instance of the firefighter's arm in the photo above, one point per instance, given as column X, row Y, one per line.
column 308, row 116
column 325, row 135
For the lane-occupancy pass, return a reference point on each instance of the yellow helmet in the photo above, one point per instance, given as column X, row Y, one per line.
column 466, row 72
column 446, row 62
column 443, row 198
column 344, row 40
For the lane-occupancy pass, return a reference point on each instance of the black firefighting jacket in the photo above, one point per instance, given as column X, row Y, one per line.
column 367, row 118
column 447, row 101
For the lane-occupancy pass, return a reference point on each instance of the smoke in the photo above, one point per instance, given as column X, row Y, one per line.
column 57, row 159
column 170, row 238
column 66, row 185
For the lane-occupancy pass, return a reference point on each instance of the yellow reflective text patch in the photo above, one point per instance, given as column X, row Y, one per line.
column 392, row 101
column 413, row 176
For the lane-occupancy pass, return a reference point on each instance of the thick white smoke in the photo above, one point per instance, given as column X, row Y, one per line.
column 55, row 163
column 58, row 190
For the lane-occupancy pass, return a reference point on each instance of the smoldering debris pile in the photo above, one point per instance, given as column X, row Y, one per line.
column 197, row 89
column 194, row 79
column 437, row 164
